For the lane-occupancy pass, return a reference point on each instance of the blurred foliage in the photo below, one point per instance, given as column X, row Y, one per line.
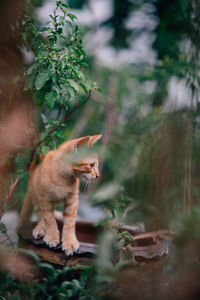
column 121, row 11
column 148, row 113
column 56, row 76
column 58, row 59
column 52, row 283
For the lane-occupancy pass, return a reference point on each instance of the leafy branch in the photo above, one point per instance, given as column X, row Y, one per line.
column 56, row 77
column 67, row 117
column 11, row 190
column 57, row 73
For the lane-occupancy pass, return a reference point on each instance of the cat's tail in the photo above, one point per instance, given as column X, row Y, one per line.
column 26, row 212
column 27, row 206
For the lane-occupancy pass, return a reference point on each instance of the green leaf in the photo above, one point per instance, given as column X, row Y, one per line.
column 80, row 75
column 23, row 176
column 70, row 95
column 50, row 99
column 73, row 84
column 44, row 29
column 41, row 79
column 61, row 19
column 72, row 16
column 84, row 87
column 3, row 228
column 38, row 97
column 45, row 149
column 32, row 68
column 29, row 82
column 53, row 18
column 84, row 64
column 65, row 285
column 47, row 268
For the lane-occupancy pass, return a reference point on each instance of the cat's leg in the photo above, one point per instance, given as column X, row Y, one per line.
column 70, row 243
column 39, row 231
column 52, row 236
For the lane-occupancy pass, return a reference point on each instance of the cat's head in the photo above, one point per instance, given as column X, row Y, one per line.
column 85, row 161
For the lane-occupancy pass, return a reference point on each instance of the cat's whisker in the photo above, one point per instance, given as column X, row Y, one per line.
column 94, row 182
column 91, row 183
column 86, row 183
column 85, row 187
column 88, row 186
column 83, row 184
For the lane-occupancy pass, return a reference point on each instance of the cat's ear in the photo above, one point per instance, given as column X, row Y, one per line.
column 93, row 139
column 80, row 142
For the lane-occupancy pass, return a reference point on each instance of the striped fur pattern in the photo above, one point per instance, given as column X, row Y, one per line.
column 56, row 180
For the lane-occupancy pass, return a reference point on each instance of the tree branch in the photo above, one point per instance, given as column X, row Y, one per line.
column 10, row 192
column 64, row 120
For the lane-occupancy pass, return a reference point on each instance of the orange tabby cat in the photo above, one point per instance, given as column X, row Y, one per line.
column 55, row 180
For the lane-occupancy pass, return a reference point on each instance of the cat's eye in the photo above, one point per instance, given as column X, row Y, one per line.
column 91, row 165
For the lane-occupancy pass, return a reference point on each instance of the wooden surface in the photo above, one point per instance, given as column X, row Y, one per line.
column 145, row 247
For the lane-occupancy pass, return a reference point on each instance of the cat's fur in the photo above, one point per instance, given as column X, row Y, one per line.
column 56, row 180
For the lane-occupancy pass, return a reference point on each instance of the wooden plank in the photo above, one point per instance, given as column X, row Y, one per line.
column 145, row 247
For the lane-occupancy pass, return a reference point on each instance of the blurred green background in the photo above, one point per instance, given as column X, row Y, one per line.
column 144, row 56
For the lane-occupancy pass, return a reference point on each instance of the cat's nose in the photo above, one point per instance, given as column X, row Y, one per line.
column 97, row 175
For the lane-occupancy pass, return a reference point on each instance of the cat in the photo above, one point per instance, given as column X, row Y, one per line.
column 56, row 180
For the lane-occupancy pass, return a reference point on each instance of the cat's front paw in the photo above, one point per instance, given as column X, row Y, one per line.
column 51, row 239
column 39, row 231
column 70, row 246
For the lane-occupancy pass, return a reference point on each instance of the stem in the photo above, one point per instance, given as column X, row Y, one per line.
column 187, row 199
column 109, row 122
column 10, row 192
column 64, row 121
column 55, row 21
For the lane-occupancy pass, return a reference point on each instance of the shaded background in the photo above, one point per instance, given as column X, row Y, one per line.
column 144, row 55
